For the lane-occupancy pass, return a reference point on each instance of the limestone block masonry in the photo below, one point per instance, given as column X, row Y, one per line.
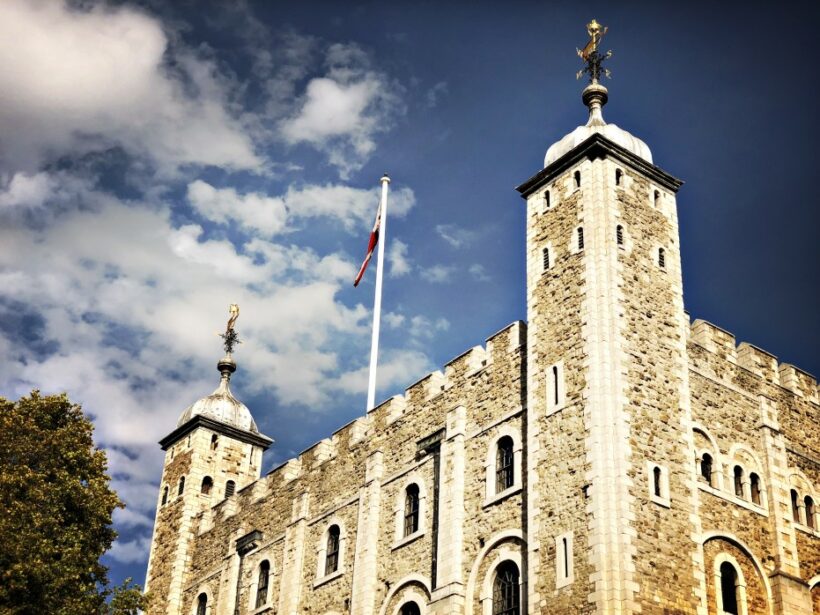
column 607, row 457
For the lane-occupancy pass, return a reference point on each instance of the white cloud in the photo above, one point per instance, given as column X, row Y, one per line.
column 252, row 210
column 132, row 551
column 457, row 237
column 478, row 271
column 437, row 274
column 77, row 80
column 399, row 262
column 342, row 112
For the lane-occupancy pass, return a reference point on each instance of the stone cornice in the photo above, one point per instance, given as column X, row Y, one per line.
column 227, row 430
column 598, row 146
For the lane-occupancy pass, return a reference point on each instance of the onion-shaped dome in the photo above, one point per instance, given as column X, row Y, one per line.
column 595, row 97
column 221, row 405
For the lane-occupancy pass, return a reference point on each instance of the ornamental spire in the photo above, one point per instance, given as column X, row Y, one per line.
column 593, row 59
column 230, row 338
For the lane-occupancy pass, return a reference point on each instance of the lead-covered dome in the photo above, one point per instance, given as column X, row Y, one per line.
column 595, row 96
column 221, row 405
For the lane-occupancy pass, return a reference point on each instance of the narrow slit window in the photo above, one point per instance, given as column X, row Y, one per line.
column 181, row 485
column 580, row 237
column 656, row 481
column 564, row 573
column 706, row 468
column 546, row 258
column 547, row 203
column 577, row 176
column 739, row 481
column 565, row 552
column 754, row 484
column 262, row 584
column 555, row 384
column 504, row 469
column 164, row 496
column 619, row 235
column 728, row 588
column 230, row 488
column 207, row 485
column 661, row 258
column 809, row 503
column 332, row 551
column 657, row 198
column 411, row 510
column 214, row 442
column 618, row 176
column 795, row 508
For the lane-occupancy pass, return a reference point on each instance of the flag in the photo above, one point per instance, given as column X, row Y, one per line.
column 371, row 245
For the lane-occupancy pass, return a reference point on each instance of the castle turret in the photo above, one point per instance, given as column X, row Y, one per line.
column 215, row 451
column 609, row 427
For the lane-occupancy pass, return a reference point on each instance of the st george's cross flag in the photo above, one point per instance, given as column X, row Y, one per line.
column 371, row 245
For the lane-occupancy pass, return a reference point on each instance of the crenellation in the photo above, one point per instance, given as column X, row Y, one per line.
column 799, row 382
column 757, row 361
column 714, row 339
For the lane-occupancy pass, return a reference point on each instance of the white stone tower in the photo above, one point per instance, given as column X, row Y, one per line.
column 609, row 426
column 215, row 451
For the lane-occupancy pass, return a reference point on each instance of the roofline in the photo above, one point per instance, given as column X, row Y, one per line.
column 598, row 146
column 243, row 435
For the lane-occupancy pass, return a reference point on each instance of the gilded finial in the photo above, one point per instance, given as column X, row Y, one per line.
column 591, row 56
column 230, row 336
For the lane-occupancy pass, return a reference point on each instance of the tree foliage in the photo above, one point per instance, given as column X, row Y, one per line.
column 55, row 512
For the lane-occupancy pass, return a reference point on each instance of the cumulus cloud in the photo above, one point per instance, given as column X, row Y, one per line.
column 456, row 236
column 437, row 274
column 252, row 211
column 132, row 551
column 399, row 262
column 79, row 80
column 342, row 111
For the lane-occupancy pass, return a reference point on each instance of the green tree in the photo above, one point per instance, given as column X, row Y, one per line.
column 55, row 513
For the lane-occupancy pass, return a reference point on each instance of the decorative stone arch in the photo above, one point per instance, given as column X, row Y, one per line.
column 321, row 550
column 744, row 548
column 714, row 452
column 265, row 554
column 741, row 455
column 801, row 483
column 204, row 588
column 506, row 545
column 814, row 590
column 398, row 507
column 505, row 430
column 412, row 587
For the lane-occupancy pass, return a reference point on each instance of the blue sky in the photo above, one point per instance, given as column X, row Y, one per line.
column 159, row 161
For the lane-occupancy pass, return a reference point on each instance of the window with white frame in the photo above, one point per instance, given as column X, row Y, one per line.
column 507, row 589
column 411, row 510
column 262, row 582
column 564, row 567
column 503, row 465
column 658, row 478
column 330, row 552
column 555, row 394
column 730, row 586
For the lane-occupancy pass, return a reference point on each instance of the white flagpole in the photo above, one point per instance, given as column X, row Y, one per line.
column 377, row 302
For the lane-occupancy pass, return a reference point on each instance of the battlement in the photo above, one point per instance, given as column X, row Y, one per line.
column 753, row 359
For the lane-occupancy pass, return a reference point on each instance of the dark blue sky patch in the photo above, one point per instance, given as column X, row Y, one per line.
column 25, row 328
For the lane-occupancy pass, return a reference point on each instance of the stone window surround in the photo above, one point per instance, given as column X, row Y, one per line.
column 720, row 481
column 321, row 551
column 741, row 583
column 664, row 498
column 398, row 511
column 800, row 484
column 412, row 595
column 504, row 554
column 552, row 256
column 255, row 583
column 491, row 496
column 209, row 605
column 561, row 579
column 553, row 407
column 573, row 241
column 733, row 499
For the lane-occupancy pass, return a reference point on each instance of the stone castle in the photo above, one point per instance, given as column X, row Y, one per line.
column 608, row 456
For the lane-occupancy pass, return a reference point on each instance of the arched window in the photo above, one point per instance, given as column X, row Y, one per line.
column 504, row 469
column 619, row 235
column 546, row 258
column 577, row 176
column 657, row 198
column 230, row 488
column 580, row 237
column 547, row 199
column 618, row 175
column 410, row 608
column 661, row 258
column 809, row 511
column 181, row 485
column 706, row 468
column 262, row 584
column 656, row 481
column 411, row 509
column 728, row 588
column 201, row 604
column 506, row 590
column 207, row 484
column 332, row 551
column 795, row 508
column 214, row 442
column 164, row 496
column 739, row 481
column 754, row 484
